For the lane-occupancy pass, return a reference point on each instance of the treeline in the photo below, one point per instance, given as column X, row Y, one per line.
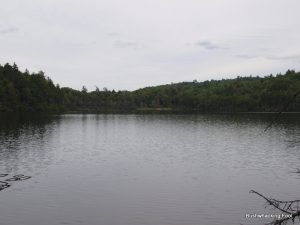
column 34, row 92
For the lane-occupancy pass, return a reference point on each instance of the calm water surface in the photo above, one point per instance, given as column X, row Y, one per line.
column 145, row 169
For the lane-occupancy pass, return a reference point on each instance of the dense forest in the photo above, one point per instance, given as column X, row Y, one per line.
column 35, row 92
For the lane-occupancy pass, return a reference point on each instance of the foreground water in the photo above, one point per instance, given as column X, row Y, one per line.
column 145, row 169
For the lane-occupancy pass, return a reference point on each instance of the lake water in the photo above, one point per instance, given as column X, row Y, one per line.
column 146, row 169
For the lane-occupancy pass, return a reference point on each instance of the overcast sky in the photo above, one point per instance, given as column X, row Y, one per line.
column 129, row 44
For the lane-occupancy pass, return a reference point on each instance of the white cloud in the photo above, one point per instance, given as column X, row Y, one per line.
column 135, row 43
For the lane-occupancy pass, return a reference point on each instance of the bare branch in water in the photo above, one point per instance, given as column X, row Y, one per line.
column 297, row 171
column 289, row 207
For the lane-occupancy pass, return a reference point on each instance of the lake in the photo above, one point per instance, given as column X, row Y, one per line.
column 146, row 169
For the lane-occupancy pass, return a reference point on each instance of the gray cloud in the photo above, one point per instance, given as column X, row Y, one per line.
column 113, row 34
column 285, row 57
column 9, row 30
column 126, row 44
column 245, row 56
column 290, row 57
column 209, row 45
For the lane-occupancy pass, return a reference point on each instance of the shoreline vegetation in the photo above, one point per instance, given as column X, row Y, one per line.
column 35, row 92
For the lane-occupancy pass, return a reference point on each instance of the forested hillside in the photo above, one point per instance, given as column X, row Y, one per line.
column 24, row 91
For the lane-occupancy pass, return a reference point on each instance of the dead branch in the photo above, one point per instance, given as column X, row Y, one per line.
column 291, row 208
column 296, row 171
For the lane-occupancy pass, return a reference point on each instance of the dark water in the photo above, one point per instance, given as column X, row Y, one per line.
column 145, row 169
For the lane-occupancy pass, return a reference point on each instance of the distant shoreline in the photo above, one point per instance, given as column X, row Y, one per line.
column 25, row 92
column 144, row 111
